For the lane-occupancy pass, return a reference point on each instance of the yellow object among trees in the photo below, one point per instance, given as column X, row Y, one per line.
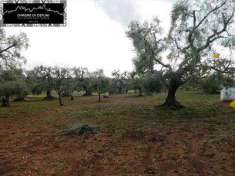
column 216, row 55
column 232, row 104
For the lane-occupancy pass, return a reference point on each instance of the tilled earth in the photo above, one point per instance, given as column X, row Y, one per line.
column 136, row 138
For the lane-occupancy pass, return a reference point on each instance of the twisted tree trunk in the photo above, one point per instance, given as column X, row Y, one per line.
column 140, row 92
column 49, row 96
column 5, row 101
column 99, row 97
column 87, row 93
column 170, row 101
column 60, row 99
column 71, row 97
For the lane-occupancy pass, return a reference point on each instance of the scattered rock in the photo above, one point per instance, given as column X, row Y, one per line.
column 150, row 171
column 134, row 135
column 80, row 129
column 157, row 138
column 5, row 165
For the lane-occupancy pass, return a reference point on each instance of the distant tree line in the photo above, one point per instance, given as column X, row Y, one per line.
column 18, row 83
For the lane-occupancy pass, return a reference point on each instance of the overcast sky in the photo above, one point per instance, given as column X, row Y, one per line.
column 95, row 34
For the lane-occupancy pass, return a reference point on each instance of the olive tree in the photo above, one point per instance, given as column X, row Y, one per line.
column 33, row 82
column 152, row 83
column 101, row 83
column 21, row 88
column 147, row 83
column 70, row 84
column 42, row 80
column 12, row 83
column 120, row 81
column 10, row 59
column 10, row 50
column 84, row 80
column 59, row 76
column 138, row 83
column 197, row 27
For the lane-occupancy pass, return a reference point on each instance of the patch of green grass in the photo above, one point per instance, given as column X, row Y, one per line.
column 95, row 112
column 129, row 115
column 123, row 112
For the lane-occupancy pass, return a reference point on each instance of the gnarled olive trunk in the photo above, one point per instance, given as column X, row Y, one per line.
column 87, row 92
column 170, row 101
column 71, row 97
column 5, row 101
column 99, row 97
column 66, row 94
column 60, row 99
column 127, row 91
column 49, row 96
column 140, row 92
column 119, row 90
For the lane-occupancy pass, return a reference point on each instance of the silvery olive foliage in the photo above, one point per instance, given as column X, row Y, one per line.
column 197, row 28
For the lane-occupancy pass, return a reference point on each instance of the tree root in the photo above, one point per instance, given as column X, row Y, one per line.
column 172, row 105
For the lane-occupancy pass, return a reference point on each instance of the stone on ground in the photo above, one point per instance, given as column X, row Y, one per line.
column 80, row 129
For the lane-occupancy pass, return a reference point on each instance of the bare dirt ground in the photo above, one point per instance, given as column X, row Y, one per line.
column 136, row 138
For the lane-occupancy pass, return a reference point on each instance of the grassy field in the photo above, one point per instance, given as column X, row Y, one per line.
column 137, row 137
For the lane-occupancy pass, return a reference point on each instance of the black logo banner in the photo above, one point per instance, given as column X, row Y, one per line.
column 31, row 14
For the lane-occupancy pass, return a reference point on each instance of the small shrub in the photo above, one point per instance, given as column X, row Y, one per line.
column 211, row 84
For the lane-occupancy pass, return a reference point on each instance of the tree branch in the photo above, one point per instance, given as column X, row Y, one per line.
column 194, row 18
column 153, row 54
column 161, row 63
column 190, row 40
column 226, row 71
column 216, row 34
column 210, row 12
column 6, row 49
